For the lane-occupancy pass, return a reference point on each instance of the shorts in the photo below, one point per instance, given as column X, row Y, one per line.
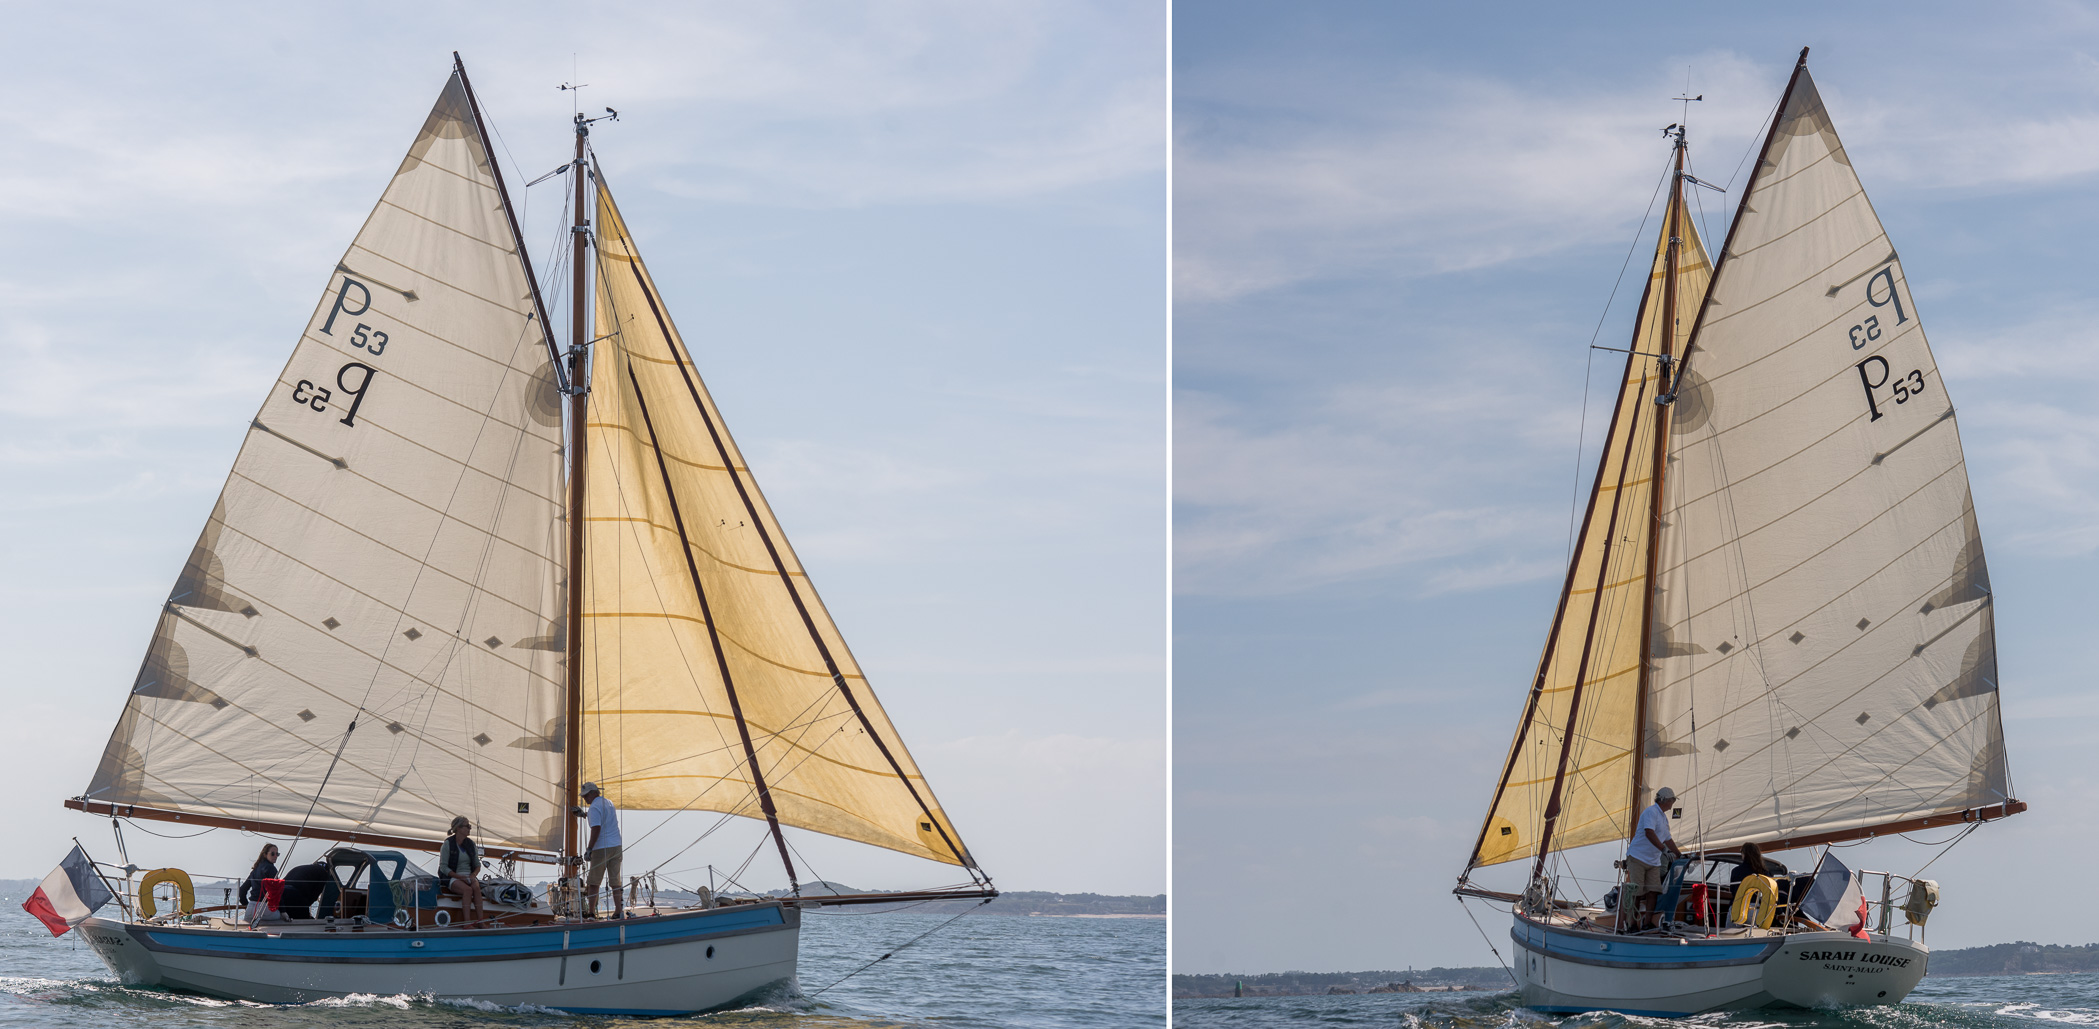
column 603, row 861
column 1641, row 877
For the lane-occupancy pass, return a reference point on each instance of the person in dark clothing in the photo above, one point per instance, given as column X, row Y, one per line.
column 459, row 870
column 1755, row 863
column 302, row 886
column 251, row 887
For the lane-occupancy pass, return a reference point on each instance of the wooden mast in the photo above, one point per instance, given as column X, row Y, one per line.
column 579, row 329
column 1673, row 227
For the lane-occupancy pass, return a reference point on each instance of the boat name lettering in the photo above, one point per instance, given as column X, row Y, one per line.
column 1908, row 385
column 1890, row 960
column 306, row 394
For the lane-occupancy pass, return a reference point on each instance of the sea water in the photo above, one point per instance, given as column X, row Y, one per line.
column 1952, row 1002
column 990, row 971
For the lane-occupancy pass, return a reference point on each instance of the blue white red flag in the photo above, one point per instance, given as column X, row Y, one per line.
column 1835, row 899
column 69, row 894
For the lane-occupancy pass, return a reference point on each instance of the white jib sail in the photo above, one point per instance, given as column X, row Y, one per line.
column 1824, row 657
column 387, row 550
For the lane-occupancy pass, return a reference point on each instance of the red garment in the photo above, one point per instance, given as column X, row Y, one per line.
column 272, row 893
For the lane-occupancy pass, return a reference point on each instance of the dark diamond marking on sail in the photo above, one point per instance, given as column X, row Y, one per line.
column 1722, row 745
column 483, row 739
column 1724, row 647
column 396, row 728
column 1797, row 636
column 1508, row 830
column 1863, row 717
column 1794, row 731
column 413, row 634
column 524, row 807
column 307, row 716
column 332, row 624
column 1863, row 622
column 493, row 642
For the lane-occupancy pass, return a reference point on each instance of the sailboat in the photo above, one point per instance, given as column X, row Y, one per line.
column 1777, row 608
column 458, row 571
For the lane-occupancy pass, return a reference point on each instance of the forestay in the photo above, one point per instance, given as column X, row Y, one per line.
column 387, row 551
column 1825, row 655
column 698, row 616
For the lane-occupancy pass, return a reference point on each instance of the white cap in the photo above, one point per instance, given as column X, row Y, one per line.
column 1665, row 793
column 591, row 787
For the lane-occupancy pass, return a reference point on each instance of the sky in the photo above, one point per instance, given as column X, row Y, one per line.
column 919, row 249
column 1398, row 228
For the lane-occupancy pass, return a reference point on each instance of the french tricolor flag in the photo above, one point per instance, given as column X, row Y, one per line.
column 69, row 894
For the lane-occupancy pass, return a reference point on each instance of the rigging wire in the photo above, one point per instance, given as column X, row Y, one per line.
column 1949, row 847
column 915, row 939
column 1467, row 908
column 1581, row 437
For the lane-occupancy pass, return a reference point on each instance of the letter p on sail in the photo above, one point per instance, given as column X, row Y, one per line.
column 69, row 894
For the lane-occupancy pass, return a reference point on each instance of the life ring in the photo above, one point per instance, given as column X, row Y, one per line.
column 402, row 917
column 185, row 891
column 1748, row 892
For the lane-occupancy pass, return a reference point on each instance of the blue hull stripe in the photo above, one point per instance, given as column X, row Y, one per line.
column 393, row 946
column 1632, row 952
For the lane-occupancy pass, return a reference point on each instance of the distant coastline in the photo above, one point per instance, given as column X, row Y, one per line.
column 2019, row 958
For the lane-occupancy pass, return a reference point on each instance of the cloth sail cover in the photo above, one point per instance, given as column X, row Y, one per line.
column 1599, row 614
column 1822, row 579
column 1823, row 654
column 387, row 551
column 691, row 589
column 69, row 894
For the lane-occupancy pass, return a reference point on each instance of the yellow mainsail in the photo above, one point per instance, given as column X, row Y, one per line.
column 1584, row 700
column 700, row 623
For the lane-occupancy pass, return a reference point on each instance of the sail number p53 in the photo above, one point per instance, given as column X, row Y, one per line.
column 354, row 377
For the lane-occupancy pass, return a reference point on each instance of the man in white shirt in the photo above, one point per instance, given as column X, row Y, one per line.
column 1645, row 863
column 604, row 851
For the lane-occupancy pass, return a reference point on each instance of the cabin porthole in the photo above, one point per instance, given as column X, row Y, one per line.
column 595, row 965
column 1883, row 993
column 710, row 951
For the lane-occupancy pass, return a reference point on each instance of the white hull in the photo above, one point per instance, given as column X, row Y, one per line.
column 1567, row 970
column 661, row 965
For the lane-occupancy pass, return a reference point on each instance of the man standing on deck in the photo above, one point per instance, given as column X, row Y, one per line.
column 604, row 851
column 1645, row 864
